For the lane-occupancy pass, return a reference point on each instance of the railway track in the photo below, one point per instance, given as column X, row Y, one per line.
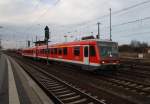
column 128, row 84
column 135, row 75
column 62, row 92
column 136, row 69
column 112, row 84
column 136, row 63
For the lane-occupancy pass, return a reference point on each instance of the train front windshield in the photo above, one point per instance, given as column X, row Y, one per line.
column 108, row 49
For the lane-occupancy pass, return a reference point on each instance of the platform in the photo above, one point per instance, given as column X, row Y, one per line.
column 17, row 87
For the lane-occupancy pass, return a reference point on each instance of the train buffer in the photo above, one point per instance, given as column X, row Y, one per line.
column 17, row 87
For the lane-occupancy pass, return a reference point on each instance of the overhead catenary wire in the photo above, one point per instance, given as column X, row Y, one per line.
column 46, row 10
column 95, row 20
column 88, row 22
column 114, row 12
column 133, row 21
column 131, row 7
column 135, row 34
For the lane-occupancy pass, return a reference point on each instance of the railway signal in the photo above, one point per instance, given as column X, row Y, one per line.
column 46, row 33
column 46, row 39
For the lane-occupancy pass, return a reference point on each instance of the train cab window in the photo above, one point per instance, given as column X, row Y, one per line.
column 92, row 51
column 59, row 51
column 65, row 51
column 77, row 51
column 55, row 50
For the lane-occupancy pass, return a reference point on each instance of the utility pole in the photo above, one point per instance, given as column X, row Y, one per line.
column 110, row 27
column 0, row 42
column 0, row 46
column 98, row 35
column 28, row 43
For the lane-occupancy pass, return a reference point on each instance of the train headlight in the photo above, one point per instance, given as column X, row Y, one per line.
column 117, row 61
column 103, row 62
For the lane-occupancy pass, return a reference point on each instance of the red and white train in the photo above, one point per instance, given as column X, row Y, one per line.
column 90, row 54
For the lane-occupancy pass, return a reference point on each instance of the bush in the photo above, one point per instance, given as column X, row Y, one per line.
column 134, row 46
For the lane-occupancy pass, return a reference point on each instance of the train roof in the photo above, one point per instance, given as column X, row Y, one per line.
column 80, row 42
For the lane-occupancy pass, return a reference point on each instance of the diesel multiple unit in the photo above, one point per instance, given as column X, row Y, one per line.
column 89, row 54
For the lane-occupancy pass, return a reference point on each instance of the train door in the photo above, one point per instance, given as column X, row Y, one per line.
column 86, row 54
column 34, row 53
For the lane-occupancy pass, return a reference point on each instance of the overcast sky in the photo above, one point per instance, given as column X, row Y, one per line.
column 22, row 20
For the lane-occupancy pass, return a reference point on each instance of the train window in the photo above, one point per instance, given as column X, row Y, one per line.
column 55, row 50
column 37, row 51
column 59, row 51
column 52, row 50
column 92, row 51
column 44, row 51
column 86, row 52
column 77, row 51
column 48, row 50
column 40, row 51
column 65, row 51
